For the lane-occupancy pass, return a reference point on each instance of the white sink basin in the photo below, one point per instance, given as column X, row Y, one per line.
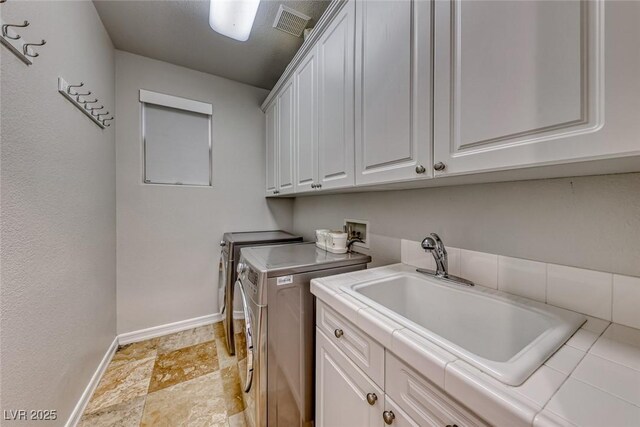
column 506, row 337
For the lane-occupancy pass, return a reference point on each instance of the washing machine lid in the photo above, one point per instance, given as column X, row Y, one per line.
column 298, row 258
column 248, row 237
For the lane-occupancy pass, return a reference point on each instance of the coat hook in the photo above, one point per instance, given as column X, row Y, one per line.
column 102, row 114
column 25, row 48
column 6, row 26
column 104, row 122
column 93, row 108
column 79, row 95
column 72, row 86
column 88, row 102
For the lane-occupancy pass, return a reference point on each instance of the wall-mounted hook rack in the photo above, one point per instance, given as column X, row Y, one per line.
column 12, row 40
column 71, row 92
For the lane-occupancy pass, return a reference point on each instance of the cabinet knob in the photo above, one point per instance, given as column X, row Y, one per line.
column 313, row 186
column 439, row 166
column 420, row 169
column 338, row 333
column 372, row 398
column 388, row 417
column 452, row 425
column 318, row 185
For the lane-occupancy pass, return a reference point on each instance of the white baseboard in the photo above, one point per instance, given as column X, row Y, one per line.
column 169, row 328
column 77, row 412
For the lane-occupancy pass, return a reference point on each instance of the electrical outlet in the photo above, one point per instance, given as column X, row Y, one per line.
column 358, row 228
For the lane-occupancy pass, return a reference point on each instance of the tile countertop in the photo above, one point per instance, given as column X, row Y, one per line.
column 592, row 380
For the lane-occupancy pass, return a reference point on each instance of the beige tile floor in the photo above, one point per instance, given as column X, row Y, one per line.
column 182, row 379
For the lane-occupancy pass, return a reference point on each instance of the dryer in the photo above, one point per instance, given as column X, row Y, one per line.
column 231, row 245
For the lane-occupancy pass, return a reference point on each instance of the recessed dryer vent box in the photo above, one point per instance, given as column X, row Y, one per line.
column 358, row 228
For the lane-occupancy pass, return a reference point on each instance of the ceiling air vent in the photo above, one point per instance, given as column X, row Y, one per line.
column 291, row 21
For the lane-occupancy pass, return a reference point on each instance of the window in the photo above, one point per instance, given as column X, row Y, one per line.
column 176, row 135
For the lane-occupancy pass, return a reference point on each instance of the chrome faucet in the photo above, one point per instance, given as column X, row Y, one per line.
column 433, row 244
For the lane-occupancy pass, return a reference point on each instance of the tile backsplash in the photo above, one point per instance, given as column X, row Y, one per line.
column 599, row 294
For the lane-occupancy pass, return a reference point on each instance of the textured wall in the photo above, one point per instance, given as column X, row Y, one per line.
column 58, row 211
column 589, row 222
column 168, row 236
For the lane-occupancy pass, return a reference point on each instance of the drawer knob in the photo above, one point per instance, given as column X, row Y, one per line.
column 452, row 425
column 420, row 169
column 388, row 417
column 372, row 398
column 439, row 166
column 338, row 333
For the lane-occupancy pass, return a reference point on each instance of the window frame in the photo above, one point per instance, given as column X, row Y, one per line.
column 177, row 103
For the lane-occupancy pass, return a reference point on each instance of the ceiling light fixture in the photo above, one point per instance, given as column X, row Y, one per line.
column 233, row 18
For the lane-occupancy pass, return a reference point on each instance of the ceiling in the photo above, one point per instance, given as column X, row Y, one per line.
column 178, row 32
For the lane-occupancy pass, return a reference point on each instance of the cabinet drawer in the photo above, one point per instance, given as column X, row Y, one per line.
column 423, row 401
column 363, row 350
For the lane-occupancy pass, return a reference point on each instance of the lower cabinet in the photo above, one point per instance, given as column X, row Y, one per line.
column 346, row 396
column 421, row 402
column 395, row 416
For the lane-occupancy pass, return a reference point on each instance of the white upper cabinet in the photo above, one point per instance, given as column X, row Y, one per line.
column 285, row 139
column 271, row 117
column 335, row 100
column 517, row 83
column 393, row 91
column 306, row 129
column 403, row 90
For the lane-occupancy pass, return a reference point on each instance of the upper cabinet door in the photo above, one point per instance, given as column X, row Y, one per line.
column 335, row 101
column 285, row 139
column 271, row 116
column 393, row 91
column 516, row 83
column 306, row 129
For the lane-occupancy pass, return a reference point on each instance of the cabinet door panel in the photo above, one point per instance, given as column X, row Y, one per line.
column 422, row 400
column 335, row 101
column 341, row 390
column 285, row 139
column 393, row 90
column 271, row 118
column 306, row 129
column 402, row 419
column 514, row 81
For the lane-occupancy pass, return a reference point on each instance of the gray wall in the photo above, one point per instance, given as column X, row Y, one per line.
column 58, row 219
column 168, row 235
column 588, row 222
